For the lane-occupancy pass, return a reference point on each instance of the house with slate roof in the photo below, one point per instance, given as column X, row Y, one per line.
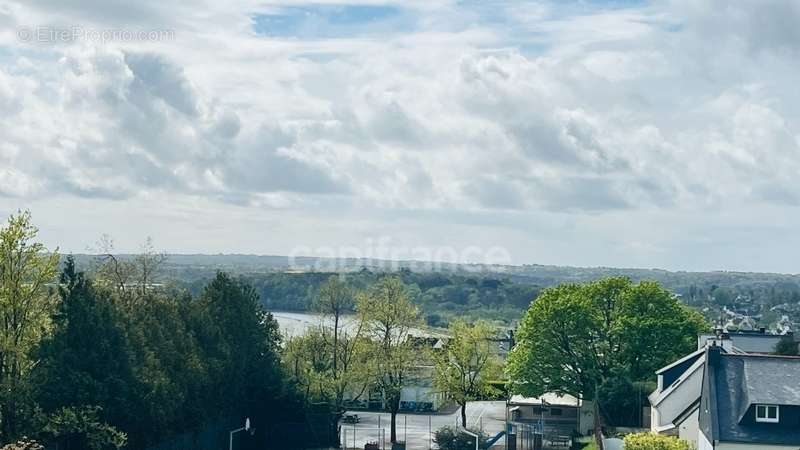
column 749, row 402
column 675, row 402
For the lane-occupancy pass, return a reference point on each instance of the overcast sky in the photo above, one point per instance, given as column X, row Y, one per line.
column 620, row 133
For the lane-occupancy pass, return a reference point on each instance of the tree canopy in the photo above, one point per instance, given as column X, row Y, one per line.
column 575, row 337
column 26, row 306
column 389, row 317
column 467, row 364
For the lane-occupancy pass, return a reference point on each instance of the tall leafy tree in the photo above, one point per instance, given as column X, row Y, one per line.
column 344, row 344
column 240, row 343
column 26, row 268
column 84, row 378
column 334, row 299
column 389, row 317
column 308, row 361
column 467, row 364
column 576, row 337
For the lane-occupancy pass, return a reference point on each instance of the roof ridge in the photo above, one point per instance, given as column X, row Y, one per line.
column 763, row 356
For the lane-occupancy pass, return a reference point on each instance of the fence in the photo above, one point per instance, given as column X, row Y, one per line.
column 360, row 438
column 315, row 432
column 523, row 436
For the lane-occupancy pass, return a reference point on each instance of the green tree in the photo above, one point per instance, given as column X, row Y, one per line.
column 451, row 438
column 389, row 317
column 84, row 364
column 575, row 337
column 466, row 365
column 82, row 428
column 344, row 345
column 786, row 346
column 26, row 267
column 308, row 362
column 334, row 299
column 240, row 344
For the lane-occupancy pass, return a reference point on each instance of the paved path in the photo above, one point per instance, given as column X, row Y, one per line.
column 414, row 428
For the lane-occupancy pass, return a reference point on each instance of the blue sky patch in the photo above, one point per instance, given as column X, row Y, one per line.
column 330, row 21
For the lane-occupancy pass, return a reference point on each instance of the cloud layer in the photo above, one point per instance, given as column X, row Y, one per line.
column 621, row 133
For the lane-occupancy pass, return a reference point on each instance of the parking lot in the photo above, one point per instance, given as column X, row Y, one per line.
column 417, row 429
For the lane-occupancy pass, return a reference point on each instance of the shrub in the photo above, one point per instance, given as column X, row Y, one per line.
column 451, row 438
column 23, row 444
column 651, row 441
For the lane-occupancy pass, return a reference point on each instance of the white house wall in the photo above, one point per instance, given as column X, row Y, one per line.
column 689, row 428
column 677, row 401
column 702, row 442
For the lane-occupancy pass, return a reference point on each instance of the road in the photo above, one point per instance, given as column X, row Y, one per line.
column 414, row 428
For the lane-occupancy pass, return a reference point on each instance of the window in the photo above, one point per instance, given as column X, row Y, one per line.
column 555, row 411
column 767, row 413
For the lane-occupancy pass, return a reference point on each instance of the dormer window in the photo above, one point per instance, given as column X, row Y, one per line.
column 767, row 413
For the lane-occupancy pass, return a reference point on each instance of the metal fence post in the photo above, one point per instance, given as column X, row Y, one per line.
column 429, row 432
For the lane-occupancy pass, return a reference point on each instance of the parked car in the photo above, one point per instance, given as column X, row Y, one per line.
column 351, row 418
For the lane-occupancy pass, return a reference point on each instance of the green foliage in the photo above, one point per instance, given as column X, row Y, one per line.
column 448, row 295
column 25, row 309
column 464, row 368
column 82, row 428
column 168, row 365
column 309, row 358
column 787, row 346
column 435, row 320
column 388, row 316
column 623, row 400
column 452, row 292
column 84, row 362
column 652, row 441
column 451, row 438
column 575, row 337
column 346, row 370
column 24, row 444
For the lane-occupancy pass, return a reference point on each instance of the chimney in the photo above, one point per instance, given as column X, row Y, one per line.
column 714, row 354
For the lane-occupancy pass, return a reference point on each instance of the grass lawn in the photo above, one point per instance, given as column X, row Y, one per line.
column 589, row 446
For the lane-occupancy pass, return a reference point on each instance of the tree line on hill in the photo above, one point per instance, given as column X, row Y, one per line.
column 440, row 296
column 493, row 292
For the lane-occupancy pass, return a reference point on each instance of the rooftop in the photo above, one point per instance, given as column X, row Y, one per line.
column 549, row 399
column 735, row 383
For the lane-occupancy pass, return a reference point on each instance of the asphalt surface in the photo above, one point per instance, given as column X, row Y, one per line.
column 417, row 429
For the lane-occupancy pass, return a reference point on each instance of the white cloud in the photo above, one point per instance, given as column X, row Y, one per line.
column 538, row 112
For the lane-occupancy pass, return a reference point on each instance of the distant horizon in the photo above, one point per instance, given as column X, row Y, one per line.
column 515, row 265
